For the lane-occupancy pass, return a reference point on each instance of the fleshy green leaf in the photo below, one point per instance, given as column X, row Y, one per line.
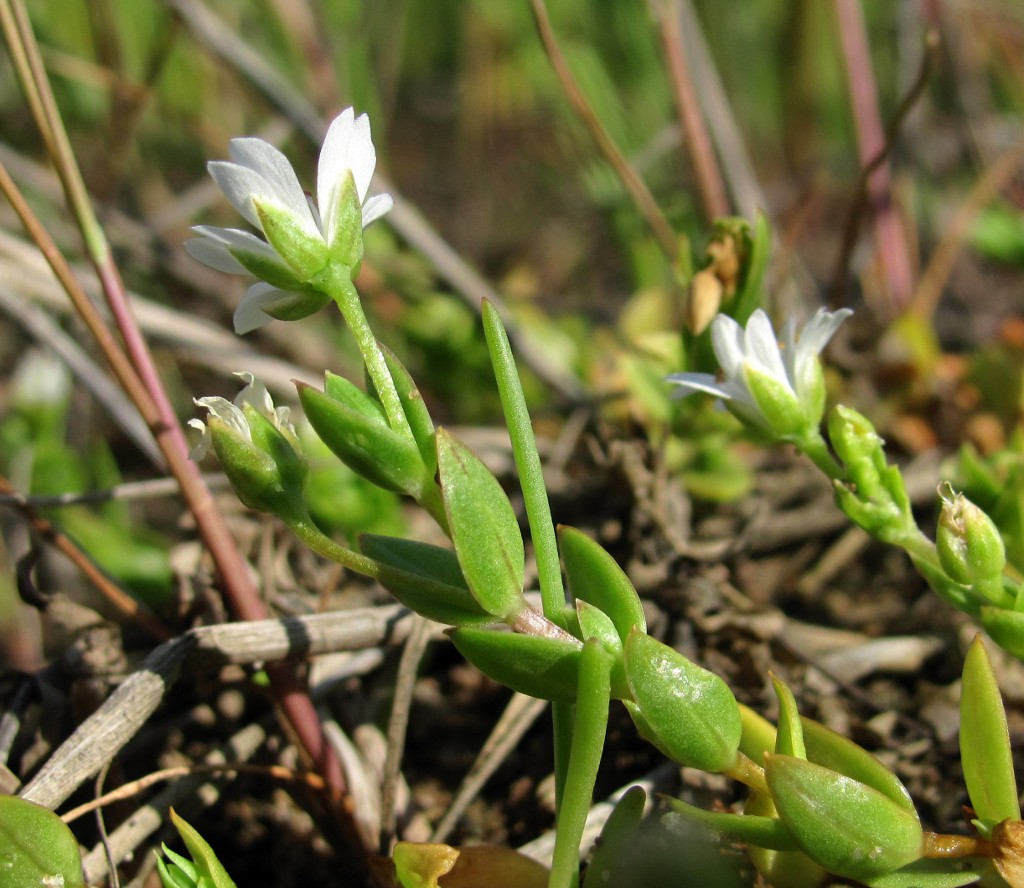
column 764, row 832
column 789, row 739
column 595, row 577
column 837, row 753
column 1006, row 628
column 793, row 869
column 925, row 874
column 985, row 741
column 849, row 828
column 416, row 412
column 484, row 529
column 364, row 444
column 545, row 668
column 348, row 394
column 691, row 711
column 617, row 835
column 202, row 854
column 758, row 736
column 426, row 579
column 36, row 846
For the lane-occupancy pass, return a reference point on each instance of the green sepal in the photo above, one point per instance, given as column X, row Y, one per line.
column 758, row 735
column 764, row 832
column 968, row 543
column 779, row 409
column 789, row 738
column 211, row 871
column 985, row 741
column 364, row 444
column 483, row 528
column 273, row 270
column 617, row 837
column 346, row 247
column 595, row 623
column 690, row 710
column 295, row 303
column 36, row 846
column 849, row 828
column 172, row 876
column 426, row 579
column 838, row 753
column 544, row 668
column 1006, row 628
column 595, row 577
column 252, row 471
column 416, row 412
column 925, row 874
column 282, row 446
column 304, row 252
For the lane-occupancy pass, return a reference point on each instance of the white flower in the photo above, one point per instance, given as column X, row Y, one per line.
column 779, row 390
column 231, row 414
column 301, row 237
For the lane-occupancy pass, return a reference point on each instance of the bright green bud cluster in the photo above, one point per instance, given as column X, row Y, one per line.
column 969, row 545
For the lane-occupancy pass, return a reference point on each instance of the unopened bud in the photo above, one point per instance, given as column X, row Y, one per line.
column 970, row 547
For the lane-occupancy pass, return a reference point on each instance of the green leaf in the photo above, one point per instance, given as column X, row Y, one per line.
column 837, row 753
column 364, row 444
column 985, row 741
column 758, row 735
column 484, row 529
column 595, row 577
column 789, row 739
column 1006, row 629
column 348, row 394
column 764, row 832
column 545, row 668
column 426, row 579
column 691, row 711
column 617, row 836
column 595, row 623
column 416, row 412
column 206, row 861
column 925, row 874
column 36, row 846
column 793, row 869
column 849, row 828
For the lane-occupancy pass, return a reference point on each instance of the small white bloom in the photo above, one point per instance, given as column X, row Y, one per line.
column 260, row 183
column 779, row 390
column 256, row 395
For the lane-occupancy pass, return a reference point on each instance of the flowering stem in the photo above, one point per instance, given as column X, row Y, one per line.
column 813, row 446
column 337, row 284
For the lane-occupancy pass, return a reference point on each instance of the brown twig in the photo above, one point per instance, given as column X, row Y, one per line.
column 113, row 593
column 638, row 191
column 890, row 239
column 705, row 165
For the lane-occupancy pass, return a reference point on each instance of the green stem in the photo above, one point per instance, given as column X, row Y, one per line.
column 813, row 446
column 337, row 284
column 591, row 720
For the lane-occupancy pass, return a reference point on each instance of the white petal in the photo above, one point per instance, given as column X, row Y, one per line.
column 277, row 172
column 254, row 393
column 814, row 337
column 376, row 206
column 239, row 184
column 250, row 314
column 698, row 382
column 762, row 348
column 347, row 146
column 227, row 413
column 214, row 254
column 199, row 451
column 727, row 341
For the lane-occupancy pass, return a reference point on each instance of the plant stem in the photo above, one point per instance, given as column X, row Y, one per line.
column 338, row 285
column 813, row 446
column 591, row 720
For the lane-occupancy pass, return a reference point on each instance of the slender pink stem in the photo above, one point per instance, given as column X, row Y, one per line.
column 890, row 239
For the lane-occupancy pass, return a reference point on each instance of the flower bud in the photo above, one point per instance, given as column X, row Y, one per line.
column 970, row 547
column 257, row 448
